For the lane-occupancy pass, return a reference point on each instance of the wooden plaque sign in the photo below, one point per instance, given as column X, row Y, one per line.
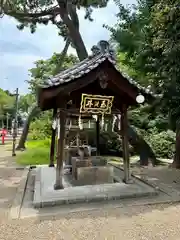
column 96, row 104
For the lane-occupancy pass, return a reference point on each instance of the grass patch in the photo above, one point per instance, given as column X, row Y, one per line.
column 37, row 153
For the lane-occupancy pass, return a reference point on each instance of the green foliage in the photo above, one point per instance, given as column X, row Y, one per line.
column 110, row 143
column 145, row 118
column 132, row 35
column 32, row 13
column 41, row 126
column 25, row 102
column 45, row 69
column 153, row 127
column 165, row 25
column 6, row 101
column 147, row 39
column 37, row 153
column 162, row 143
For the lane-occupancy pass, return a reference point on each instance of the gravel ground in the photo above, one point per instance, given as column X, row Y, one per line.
column 128, row 223
column 132, row 223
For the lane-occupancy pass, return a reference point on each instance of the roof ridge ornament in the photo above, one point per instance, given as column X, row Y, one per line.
column 103, row 47
column 95, row 50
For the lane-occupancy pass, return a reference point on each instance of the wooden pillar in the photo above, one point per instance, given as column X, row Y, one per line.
column 78, row 139
column 97, row 136
column 53, row 141
column 60, row 151
column 125, row 145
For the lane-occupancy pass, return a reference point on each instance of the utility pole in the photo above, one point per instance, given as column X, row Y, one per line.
column 15, row 124
column 7, row 121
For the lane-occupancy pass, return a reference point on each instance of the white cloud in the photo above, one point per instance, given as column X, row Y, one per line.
column 19, row 60
column 20, row 49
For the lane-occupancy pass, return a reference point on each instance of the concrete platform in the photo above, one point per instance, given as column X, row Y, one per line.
column 95, row 175
column 45, row 195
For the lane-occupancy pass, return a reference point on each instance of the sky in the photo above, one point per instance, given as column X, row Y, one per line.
column 20, row 49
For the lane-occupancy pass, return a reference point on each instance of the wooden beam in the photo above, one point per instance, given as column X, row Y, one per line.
column 60, row 152
column 53, row 141
column 122, row 83
column 125, row 145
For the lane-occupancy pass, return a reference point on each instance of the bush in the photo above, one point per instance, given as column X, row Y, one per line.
column 162, row 143
column 110, row 143
column 41, row 127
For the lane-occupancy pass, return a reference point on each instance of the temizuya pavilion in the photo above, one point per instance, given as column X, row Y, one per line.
column 96, row 75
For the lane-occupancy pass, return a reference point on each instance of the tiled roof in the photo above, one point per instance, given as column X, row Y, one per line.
column 86, row 66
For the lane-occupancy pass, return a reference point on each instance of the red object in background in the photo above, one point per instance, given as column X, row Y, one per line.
column 3, row 133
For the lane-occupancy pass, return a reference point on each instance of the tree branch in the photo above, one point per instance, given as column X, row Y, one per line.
column 73, row 14
column 63, row 55
column 73, row 32
column 53, row 11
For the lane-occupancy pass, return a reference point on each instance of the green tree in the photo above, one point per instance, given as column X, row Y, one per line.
column 32, row 13
column 44, row 69
column 133, row 37
column 166, row 41
column 42, row 72
column 6, row 106
column 149, row 39
column 25, row 102
column 6, row 101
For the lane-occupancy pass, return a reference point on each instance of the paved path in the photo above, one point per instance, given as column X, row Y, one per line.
column 157, row 222
column 9, row 180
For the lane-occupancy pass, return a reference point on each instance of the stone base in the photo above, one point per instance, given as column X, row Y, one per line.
column 45, row 195
column 86, row 162
column 78, row 163
column 95, row 175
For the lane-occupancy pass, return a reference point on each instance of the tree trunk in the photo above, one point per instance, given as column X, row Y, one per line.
column 176, row 162
column 34, row 112
column 73, row 28
column 141, row 147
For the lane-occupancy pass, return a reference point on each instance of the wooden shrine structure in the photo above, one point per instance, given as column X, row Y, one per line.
column 96, row 75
